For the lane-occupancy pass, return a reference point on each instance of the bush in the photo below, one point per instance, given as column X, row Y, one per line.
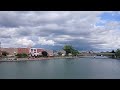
column 59, row 53
column 44, row 54
column 23, row 55
column 4, row 53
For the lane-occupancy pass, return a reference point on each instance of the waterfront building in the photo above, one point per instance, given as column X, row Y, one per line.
column 22, row 50
column 10, row 51
column 28, row 51
column 36, row 51
column 63, row 52
column 55, row 53
column 50, row 53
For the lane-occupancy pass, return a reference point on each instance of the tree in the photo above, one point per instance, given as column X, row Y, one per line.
column 19, row 55
column 75, row 52
column 44, row 54
column 59, row 53
column 22, row 55
column 4, row 53
column 112, row 51
column 117, row 53
column 70, row 49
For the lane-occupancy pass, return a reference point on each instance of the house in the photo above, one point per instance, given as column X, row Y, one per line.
column 55, row 53
column 50, row 53
column 22, row 50
column 63, row 52
column 10, row 51
column 36, row 51
column 69, row 54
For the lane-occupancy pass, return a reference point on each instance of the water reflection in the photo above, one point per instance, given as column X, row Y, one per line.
column 62, row 68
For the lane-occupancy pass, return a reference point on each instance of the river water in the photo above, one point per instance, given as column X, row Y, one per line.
column 79, row 68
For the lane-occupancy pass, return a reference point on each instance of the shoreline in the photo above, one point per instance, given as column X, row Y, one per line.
column 35, row 59
column 41, row 58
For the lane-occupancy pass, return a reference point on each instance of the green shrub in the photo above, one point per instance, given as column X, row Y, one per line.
column 22, row 55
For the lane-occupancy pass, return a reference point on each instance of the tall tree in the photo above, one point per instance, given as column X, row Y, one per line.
column 70, row 49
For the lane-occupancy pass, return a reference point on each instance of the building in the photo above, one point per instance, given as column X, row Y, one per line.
column 22, row 50
column 31, row 51
column 63, row 52
column 36, row 51
column 10, row 51
column 55, row 53
column 50, row 53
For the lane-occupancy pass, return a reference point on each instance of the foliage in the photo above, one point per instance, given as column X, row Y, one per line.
column 59, row 53
column 75, row 52
column 117, row 53
column 22, row 55
column 70, row 49
column 4, row 53
column 112, row 51
column 44, row 54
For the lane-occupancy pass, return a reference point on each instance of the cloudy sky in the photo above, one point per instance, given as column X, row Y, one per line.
column 85, row 30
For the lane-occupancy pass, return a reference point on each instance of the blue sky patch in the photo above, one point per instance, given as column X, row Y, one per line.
column 110, row 16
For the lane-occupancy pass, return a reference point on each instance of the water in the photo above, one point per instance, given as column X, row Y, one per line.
column 80, row 68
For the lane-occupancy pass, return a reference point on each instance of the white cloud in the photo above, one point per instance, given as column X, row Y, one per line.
column 7, row 32
column 105, row 39
column 57, row 28
column 43, row 41
column 25, row 42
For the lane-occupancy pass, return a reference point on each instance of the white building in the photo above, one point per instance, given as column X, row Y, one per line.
column 36, row 51
column 63, row 52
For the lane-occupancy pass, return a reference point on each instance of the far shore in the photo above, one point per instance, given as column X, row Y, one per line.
column 33, row 59
column 42, row 58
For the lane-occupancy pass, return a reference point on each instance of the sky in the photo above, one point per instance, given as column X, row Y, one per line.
column 84, row 30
